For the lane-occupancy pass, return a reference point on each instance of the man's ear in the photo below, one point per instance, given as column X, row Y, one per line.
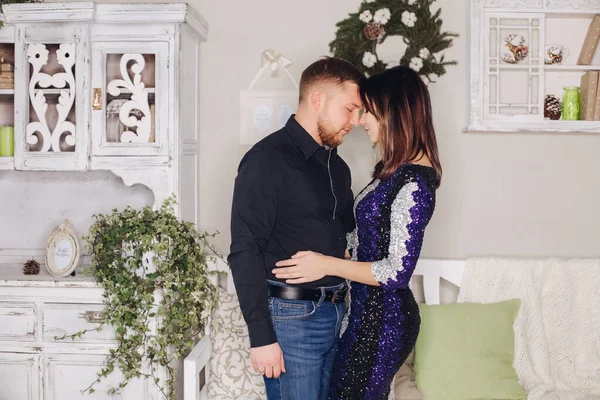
column 316, row 99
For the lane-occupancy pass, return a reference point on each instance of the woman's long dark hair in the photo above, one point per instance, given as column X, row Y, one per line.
column 399, row 100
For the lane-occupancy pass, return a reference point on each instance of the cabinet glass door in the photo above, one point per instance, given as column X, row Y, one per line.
column 50, row 113
column 129, row 90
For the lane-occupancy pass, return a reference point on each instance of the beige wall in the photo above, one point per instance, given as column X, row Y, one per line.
column 502, row 194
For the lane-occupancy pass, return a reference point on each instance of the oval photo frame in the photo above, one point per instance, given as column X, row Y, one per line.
column 62, row 250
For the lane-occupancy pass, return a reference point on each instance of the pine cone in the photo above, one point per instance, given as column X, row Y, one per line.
column 374, row 31
column 552, row 107
column 31, row 267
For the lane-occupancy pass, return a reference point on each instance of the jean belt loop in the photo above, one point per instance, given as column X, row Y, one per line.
column 322, row 298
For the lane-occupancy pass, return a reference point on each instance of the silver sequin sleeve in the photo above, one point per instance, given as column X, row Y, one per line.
column 393, row 271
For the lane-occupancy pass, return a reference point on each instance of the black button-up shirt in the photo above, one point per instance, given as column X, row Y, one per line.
column 290, row 195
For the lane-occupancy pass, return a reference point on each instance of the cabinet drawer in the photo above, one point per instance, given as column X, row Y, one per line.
column 19, row 376
column 60, row 319
column 68, row 374
column 17, row 321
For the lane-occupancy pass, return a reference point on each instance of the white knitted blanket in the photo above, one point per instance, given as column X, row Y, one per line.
column 557, row 331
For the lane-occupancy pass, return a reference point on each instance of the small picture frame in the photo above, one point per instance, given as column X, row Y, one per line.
column 264, row 111
column 62, row 250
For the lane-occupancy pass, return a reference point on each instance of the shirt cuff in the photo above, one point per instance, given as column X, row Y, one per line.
column 261, row 333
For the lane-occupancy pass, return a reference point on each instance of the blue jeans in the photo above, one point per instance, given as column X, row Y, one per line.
column 307, row 332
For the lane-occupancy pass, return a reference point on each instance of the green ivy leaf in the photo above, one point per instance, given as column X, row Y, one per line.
column 118, row 243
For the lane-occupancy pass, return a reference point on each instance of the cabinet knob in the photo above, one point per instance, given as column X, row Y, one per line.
column 94, row 317
column 97, row 98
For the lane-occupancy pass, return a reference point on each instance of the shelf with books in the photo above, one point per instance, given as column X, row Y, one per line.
column 577, row 62
column 520, row 56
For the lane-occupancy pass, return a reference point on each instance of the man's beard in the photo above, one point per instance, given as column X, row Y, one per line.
column 328, row 134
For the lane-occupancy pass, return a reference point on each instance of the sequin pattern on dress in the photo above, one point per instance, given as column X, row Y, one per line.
column 384, row 321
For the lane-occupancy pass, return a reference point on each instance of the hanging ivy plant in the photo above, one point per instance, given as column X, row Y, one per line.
column 359, row 35
column 152, row 267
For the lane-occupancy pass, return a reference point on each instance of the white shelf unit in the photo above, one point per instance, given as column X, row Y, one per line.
column 509, row 97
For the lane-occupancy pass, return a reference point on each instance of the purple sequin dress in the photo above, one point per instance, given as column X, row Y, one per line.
column 383, row 322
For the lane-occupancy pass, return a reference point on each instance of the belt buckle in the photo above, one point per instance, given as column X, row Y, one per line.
column 337, row 295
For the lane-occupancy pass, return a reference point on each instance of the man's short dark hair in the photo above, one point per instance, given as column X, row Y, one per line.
column 330, row 70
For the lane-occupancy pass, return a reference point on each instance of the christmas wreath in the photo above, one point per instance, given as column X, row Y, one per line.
column 359, row 35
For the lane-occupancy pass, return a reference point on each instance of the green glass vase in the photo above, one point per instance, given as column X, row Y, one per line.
column 7, row 141
column 571, row 103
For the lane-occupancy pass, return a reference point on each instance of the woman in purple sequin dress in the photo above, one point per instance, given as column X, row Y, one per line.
column 391, row 214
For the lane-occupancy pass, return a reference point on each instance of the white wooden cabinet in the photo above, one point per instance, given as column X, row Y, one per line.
column 34, row 364
column 105, row 114
column 507, row 95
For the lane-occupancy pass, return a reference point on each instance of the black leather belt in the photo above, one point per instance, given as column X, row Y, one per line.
column 298, row 293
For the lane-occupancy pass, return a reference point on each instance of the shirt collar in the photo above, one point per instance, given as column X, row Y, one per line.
column 307, row 144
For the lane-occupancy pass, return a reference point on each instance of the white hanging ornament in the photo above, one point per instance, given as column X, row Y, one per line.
column 366, row 16
column 369, row 59
column 416, row 64
column 409, row 18
column 382, row 16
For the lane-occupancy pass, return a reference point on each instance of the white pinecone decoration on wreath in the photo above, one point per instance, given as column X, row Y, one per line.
column 31, row 267
column 374, row 31
column 552, row 107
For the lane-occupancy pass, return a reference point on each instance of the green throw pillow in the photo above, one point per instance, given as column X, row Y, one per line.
column 465, row 351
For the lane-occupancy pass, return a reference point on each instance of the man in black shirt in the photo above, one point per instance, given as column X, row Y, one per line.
column 292, row 193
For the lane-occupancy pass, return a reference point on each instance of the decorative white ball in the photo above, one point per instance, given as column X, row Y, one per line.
column 409, row 18
column 382, row 16
column 369, row 59
column 366, row 16
column 416, row 63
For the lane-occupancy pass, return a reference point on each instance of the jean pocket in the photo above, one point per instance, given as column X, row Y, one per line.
column 293, row 309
